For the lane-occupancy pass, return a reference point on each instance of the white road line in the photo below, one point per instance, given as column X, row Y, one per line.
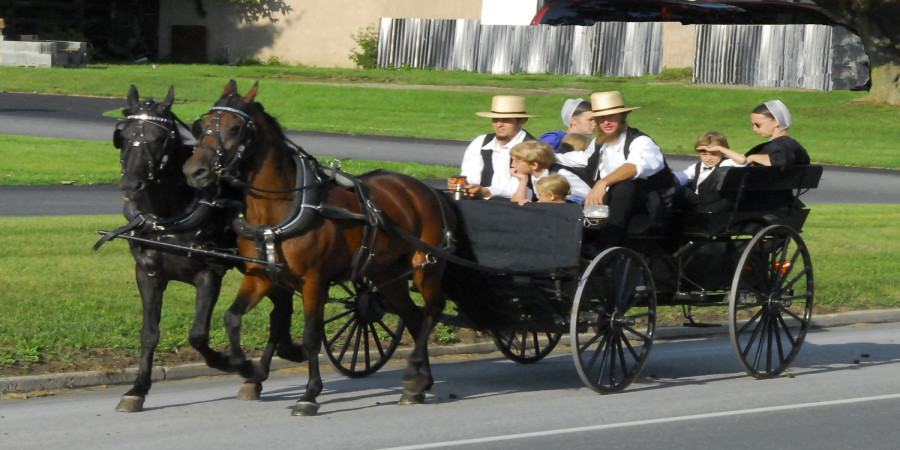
column 646, row 422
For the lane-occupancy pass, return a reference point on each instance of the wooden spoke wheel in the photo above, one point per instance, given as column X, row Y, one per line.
column 771, row 301
column 534, row 341
column 360, row 334
column 613, row 320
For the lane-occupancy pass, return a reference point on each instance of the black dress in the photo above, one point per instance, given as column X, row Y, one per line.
column 784, row 152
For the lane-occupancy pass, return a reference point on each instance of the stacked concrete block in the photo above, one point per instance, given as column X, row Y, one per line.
column 34, row 53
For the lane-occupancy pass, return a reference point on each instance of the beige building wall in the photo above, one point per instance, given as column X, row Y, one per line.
column 314, row 33
column 679, row 45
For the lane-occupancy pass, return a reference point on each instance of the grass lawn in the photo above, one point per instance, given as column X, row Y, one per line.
column 61, row 301
column 30, row 161
column 833, row 128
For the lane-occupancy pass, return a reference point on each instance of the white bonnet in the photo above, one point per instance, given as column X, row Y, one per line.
column 568, row 110
column 780, row 112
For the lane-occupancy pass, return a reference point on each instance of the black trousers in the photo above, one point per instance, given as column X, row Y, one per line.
column 625, row 199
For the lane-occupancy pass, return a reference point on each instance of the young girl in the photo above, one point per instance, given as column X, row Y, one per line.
column 577, row 117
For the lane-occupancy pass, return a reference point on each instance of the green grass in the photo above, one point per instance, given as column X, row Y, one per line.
column 61, row 300
column 31, row 161
column 834, row 128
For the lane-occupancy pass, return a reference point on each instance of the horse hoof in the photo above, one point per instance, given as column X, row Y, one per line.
column 130, row 403
column 411, row 399
column 305, row 409
column 249, row 391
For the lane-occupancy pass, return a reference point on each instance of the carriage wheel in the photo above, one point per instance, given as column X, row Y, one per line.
column 613, row 320
column 771, row 300
column 360, row 335
column 525, row 346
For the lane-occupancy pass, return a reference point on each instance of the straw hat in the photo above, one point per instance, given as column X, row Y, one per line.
column 506, row 106
column 608, row 103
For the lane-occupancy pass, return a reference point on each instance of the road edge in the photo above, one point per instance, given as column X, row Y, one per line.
column 76, row 380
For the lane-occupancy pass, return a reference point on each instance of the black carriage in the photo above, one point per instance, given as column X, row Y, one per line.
column 749, row 257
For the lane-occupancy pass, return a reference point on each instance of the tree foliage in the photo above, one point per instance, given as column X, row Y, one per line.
column 875, row 21
column 252, row 11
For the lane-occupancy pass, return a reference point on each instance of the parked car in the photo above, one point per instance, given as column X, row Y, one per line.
column 743, row 12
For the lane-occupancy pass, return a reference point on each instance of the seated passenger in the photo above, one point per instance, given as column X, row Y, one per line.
column 703, row 179
column 485, row 163
column 552, row 189
column 576, row 117
column 533, row 160
column 573, row 142
column 771, row 120
column 627, row 171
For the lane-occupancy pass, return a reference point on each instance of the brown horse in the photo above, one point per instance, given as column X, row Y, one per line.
column 240, row 142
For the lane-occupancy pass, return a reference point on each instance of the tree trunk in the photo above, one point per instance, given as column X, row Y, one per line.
column 875, row 22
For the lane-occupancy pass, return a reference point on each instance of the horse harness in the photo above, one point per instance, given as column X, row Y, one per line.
column 310, row 176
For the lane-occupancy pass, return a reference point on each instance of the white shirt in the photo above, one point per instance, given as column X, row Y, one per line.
column 579, row 189
column 576, row 158
column 686, row 176
column 644, row 154
column 502, row 183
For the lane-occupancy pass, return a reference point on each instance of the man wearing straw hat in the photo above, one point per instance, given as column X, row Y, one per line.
column 486, row 161
column 627, row 168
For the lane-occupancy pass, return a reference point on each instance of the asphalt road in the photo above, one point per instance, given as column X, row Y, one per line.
column 842, row 394
column 81, row 118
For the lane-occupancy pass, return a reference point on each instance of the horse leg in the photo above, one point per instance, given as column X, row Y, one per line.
column 208, row 284
column 279, row 340
column 151, row 289
column 253, row 289
column 313, row 334
column 418, row 378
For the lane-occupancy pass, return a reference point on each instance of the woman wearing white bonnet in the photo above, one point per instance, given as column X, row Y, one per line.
column 576, row 117
column 771, row 120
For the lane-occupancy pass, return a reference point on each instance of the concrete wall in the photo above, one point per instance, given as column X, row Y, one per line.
column 314, row 33
column 679, row 45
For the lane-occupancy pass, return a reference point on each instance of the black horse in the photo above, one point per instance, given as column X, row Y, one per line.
column 165, row 212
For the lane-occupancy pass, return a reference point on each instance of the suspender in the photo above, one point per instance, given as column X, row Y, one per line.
column 488, row 171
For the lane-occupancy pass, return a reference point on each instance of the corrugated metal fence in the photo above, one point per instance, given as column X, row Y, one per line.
column 804, row 56
column 807, row 56
column 616, row 49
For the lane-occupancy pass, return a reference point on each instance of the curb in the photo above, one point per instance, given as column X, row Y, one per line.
column 74, row 380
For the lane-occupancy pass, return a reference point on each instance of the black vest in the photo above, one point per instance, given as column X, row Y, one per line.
column 660, row 180
column 488, row 171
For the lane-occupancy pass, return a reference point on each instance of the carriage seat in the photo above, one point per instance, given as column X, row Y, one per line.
column 754, row 197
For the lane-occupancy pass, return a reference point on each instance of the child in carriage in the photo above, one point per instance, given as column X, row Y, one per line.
column 552, row 189
column 573, row 142
column 534, row 160
column 702, row 180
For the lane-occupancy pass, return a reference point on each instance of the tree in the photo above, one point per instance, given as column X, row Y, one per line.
column 253, row 10
column 875, row 22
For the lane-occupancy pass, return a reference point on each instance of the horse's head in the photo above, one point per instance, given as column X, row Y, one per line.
column 151, row 148
column 222, row 136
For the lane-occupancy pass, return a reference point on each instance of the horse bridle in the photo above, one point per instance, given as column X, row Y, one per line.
column 154, row 165
column 221, row 166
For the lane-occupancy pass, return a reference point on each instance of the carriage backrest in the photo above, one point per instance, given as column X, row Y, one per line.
column 747, row 179
column 758, row 196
